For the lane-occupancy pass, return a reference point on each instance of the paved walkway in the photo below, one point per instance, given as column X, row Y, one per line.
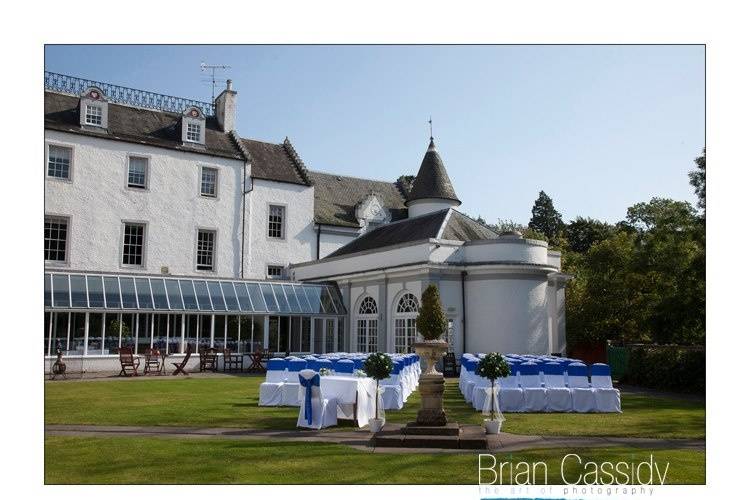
column 360, row 439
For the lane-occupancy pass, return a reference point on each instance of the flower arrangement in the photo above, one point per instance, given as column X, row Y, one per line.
column 492, row 367
column 360, row 373
column 324, row 372
column 378, row 366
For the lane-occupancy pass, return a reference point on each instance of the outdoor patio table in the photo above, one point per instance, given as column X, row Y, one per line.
column 356, row 391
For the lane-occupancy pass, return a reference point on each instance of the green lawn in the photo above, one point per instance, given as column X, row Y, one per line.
column 233, row 402
column 73, row 460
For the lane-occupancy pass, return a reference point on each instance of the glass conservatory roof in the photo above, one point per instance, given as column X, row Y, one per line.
column 158, row 293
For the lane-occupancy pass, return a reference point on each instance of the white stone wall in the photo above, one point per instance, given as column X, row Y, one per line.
column 299, row 242
column 507, row 314
column 98, row 201
column 506, row 249
column 450, row 296
column 329, row 243
column 429, row 205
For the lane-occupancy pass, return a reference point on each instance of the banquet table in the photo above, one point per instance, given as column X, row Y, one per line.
column 355, row 396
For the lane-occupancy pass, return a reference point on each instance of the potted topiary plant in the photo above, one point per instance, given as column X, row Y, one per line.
column 493, row 367
column 431, row 321
column 431, row 324
column 379, row 367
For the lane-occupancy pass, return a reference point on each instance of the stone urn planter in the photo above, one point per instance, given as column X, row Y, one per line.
column 431, row 383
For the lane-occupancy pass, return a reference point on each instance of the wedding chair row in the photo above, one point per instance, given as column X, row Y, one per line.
column 282, row 386
column 545, row 387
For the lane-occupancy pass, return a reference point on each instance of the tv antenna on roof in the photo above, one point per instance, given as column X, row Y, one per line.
column 212, row 68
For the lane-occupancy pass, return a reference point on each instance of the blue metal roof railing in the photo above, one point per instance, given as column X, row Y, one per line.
column 113, row 292
column 124, row 95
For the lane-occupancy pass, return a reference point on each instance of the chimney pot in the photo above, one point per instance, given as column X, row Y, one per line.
column 229, row 84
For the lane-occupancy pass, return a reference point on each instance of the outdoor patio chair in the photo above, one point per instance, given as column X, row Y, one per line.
column 232, row 361
column 208, row 360
column 180, row 367
column 128, row 362
column 584, row 398
column 314, row 411
column 152, row 360
column 256, row 363
column 607, row 398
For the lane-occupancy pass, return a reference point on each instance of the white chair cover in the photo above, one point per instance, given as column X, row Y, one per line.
column 511, row 395
column 323, row 410
column 607, row 398
column 559, row 397
column 534, row 395
column 584, row 398
column 271, row 394
column 290, row 391
column 393, row 397
column 271, row 391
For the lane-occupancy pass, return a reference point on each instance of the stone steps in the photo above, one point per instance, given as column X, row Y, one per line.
column 451, row 436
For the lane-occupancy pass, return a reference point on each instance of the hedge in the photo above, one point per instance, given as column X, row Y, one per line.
column 672, row 368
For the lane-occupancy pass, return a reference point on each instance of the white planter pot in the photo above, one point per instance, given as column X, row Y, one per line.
column 492, row 426
column 376, row 424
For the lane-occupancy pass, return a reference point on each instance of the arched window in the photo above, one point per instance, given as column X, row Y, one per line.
column 367, row 325
column 405, row 317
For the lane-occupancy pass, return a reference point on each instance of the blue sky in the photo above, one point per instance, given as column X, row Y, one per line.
column 599, row 128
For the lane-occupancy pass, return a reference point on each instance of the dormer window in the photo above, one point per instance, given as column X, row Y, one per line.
column 93, row 108
column 193, row 126
column 193, row 132
column 93, row 115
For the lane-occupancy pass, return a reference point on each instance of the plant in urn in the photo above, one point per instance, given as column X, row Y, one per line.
column 431, row 324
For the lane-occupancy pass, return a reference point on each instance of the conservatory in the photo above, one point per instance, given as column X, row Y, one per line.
column 91, row 315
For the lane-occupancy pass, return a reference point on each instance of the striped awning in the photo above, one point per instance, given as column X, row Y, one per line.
column 65, row 291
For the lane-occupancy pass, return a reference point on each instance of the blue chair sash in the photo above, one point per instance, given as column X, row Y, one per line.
column 308, row 384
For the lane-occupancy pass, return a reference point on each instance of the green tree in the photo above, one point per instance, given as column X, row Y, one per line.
column 605, row 300
column 544, row 218
column 661, row 214
column 698, row 180
column 646, row 283
column 507, row 226
column 582, row 232
column 431, row 321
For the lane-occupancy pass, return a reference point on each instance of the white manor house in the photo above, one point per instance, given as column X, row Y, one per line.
column 165, row 227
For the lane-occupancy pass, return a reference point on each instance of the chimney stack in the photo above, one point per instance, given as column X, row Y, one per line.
column 226, row 108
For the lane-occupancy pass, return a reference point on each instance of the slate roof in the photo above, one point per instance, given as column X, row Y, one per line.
column 432, row 180
column 461, row 227
column 337, row 196
column 432, row 225
column 275, row 162
column 141, row 126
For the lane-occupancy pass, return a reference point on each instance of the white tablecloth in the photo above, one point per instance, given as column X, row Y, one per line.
column 348, row 390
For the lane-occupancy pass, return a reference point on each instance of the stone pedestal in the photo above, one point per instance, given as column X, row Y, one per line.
column 431, row 384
